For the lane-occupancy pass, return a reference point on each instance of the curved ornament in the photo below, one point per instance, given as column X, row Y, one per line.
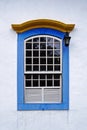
column 43, row 23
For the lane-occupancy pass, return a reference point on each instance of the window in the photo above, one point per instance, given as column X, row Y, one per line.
column 43, row 69
column 42, row 65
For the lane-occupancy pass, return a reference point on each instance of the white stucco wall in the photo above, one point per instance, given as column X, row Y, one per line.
column 18, row 11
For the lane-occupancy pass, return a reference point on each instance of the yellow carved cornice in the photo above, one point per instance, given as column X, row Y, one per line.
column 43, row 23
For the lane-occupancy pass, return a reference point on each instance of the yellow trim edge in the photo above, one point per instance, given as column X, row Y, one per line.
column 42, row 23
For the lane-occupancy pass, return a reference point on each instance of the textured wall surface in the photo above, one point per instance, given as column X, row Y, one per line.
column 69, row 11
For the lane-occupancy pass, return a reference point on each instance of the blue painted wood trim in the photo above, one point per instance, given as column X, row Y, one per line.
column 65, row 73
column 20, row 72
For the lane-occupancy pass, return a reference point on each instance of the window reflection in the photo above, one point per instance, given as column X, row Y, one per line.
column 57, row 46
column 35, row 45
column 49, row 45
column 57, row 53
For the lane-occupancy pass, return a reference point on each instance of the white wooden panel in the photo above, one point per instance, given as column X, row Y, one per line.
column 52, row 95
column 33, row 95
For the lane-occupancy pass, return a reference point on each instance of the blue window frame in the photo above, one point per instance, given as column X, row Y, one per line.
column 21, row 104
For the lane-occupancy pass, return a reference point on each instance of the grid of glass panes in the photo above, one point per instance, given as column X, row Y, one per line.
column 43, row 53
column 42, row 80
column 43, row 69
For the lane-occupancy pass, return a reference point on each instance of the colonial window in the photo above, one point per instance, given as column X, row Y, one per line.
column 43, row 69
column 43, row 65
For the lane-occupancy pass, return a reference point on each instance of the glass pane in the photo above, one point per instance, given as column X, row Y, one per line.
column 55, row 40
column 42, row 39
column 56, row 82
column 36, row 53
column 29, row 53
column 56, row 76
column 49, row 82
column 57, row 53
column 56, row 60
column 35, row 45
column 42, row 45
column 57, row 46
column 29, row 40
column 28, row 68
column 57, row 68
column 28, row 83
column 49, row 60
column 42, row 76
column 49, row 39
column 50, row 68
column 49, row 76
column 35, row 76
column 35, row 68
column 36, row 39
column 28, row 45
column 28, row 61
column 50, row 53
column 49, row 45
column 35, row 60
column 42, row 53
column 42, row 60
column 42, row 68
column 28, row 76
column 35, row 83
column 42, row 83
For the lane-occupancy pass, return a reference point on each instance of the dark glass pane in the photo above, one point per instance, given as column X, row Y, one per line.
column 42, row 45
column 35, row 45
column 49, row 45
column 57, row 67
column 49, row 39
column 28, row 61
column 57, row 53
column 28, row 68
column 42, row 67
column 49, row 82
column 36, row 39
column 28, row 83
column 35, row 76
column 56, row 60
column 42, row 53
column 36, row 53
column 35, row 83
column 28, row 45
column 28, row 76
column 49, row 60
column 29, row 53
column 56, row 76
column 50, row 68
column 56, row 82
column 49, row 76
column 35, row 68
column 42, row 76
column 29, row 40
column 42, row 60
column 50, row 53
column 35, row 60
column 42, row 83
column 42, row 39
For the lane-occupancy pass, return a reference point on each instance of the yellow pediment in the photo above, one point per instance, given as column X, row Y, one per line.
column 43, row 23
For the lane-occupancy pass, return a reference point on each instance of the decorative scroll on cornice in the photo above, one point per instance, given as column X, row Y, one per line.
column 43, row 23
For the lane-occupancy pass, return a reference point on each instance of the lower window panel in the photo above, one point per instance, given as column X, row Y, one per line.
column 41, row 88
column 43, row 95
